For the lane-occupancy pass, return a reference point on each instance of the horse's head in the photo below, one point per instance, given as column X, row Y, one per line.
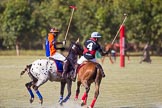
column 77, row 48
column 108, row 47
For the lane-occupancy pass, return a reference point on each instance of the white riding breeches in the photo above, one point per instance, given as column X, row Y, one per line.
column 58, row 56
column 82, row 59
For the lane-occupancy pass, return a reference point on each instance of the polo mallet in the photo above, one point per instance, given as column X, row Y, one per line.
column 73, row 8
column 125, row 17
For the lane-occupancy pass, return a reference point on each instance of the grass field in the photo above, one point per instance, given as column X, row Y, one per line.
column 135, row 86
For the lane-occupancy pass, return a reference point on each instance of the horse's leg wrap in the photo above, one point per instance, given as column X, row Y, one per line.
column 61, row 98
column 101, row 69
column 38, row 93
column 67, row 97
column 39, row 96
column 93, row 102
column 84, row 98
column 31, row 93
column 28, row 85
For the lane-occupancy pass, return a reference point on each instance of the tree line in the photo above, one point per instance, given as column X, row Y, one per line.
column 25, row 23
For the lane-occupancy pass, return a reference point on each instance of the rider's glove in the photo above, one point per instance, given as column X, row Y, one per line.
column 53, row 42
column 64, row 43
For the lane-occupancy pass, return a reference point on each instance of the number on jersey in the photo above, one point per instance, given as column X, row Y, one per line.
column 89, row 46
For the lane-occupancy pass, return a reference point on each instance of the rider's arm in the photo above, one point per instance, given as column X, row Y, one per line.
column 103, row 53
column 56, row 43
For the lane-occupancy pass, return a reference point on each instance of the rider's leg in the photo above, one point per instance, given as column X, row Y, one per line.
column 58, row 56
column 80, row 61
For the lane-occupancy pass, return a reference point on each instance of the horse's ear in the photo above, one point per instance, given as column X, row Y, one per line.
column 77, row 41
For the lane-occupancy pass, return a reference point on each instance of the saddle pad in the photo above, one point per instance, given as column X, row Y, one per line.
column 59, row 65
column 80, row 67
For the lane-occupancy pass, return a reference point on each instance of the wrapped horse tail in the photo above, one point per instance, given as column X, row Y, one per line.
column 26, row 69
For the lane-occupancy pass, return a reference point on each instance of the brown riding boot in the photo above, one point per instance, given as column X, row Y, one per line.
column 101, row 70
column 75, row 72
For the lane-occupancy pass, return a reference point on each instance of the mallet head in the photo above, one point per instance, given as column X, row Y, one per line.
column 73, row 7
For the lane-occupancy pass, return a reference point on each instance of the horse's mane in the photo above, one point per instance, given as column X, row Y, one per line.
column 77, row 44
column 71, row 46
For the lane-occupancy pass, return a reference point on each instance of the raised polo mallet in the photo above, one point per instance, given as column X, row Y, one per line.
column 125, row 17
column 73, row 8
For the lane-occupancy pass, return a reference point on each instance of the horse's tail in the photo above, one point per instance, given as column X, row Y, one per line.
column 26, row 69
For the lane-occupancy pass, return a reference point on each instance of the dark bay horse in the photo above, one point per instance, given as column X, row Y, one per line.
column 88, row 73
column 42, row 70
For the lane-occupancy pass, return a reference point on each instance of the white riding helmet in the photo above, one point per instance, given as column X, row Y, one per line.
column 95, row 35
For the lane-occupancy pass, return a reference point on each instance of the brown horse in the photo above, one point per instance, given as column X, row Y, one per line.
column 108, row 47
column 88, row 73
column 116, row 47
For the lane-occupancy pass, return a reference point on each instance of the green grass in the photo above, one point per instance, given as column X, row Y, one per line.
column 22, row 52
column 134, row 86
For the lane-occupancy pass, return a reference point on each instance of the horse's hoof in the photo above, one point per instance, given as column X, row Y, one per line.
column 41, row 101
column 61, row 103
column 82, row 103
column 103, row 75
column 75, row 99
column 31, row 100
